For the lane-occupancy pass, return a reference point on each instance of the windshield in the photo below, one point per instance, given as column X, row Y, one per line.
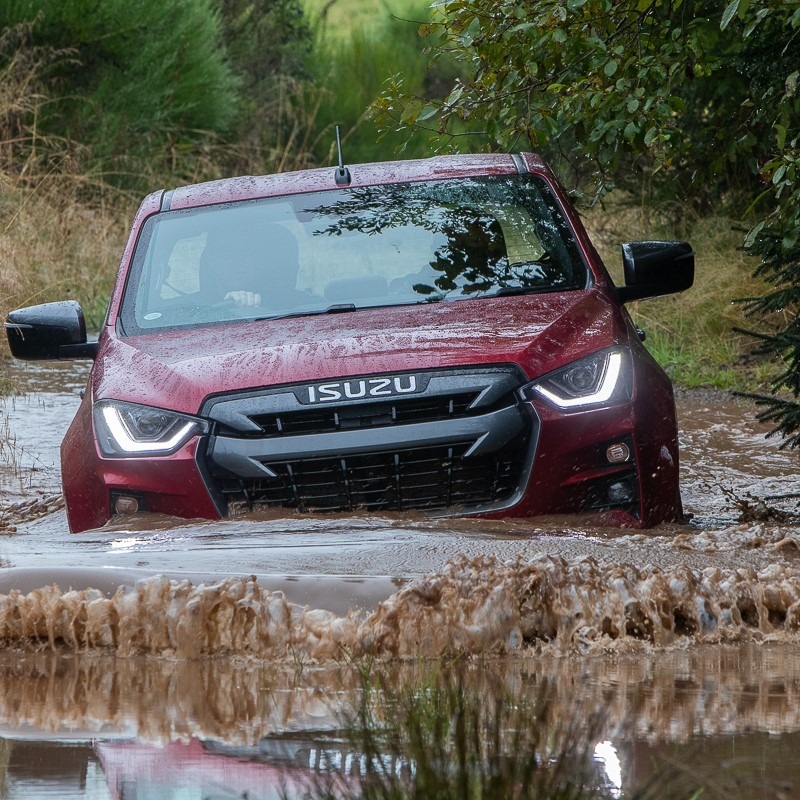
column 349, row 249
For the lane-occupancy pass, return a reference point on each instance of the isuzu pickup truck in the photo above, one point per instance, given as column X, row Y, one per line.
column 435, row 335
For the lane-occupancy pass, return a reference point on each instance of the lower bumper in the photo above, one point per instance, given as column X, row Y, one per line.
column 519, row 460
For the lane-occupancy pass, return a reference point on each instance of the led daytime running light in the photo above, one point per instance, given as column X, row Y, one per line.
column 125, row 441
column 603, row 393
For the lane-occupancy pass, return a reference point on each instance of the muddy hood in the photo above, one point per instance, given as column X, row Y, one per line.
column 178, row 369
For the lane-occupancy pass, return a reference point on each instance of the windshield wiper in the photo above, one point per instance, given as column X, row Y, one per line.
column 336, row 308
column 512, row 290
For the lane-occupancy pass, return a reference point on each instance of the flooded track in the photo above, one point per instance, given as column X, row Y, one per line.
column 228, row 648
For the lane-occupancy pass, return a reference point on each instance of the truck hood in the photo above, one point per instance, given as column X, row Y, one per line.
column 178, row 369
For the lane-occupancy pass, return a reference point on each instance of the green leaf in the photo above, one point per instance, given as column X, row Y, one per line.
column 752, row 234
column 411, row 112
column 780, row 136
column 428, row 112
column 729, row 14
column 610, row 67
column 474, row 29
column 454, row 96
column 791, row 84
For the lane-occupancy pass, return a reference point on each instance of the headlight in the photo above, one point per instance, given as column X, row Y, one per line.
column 603, row 378
column 128, row 429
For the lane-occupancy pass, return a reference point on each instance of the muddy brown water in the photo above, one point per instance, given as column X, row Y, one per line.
column 162, row 659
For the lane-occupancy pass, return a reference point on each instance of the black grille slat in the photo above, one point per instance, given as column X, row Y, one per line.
column 397, row 411
column 425, row 478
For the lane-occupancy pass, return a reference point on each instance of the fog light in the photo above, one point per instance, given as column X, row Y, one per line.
column 125, row 504
column 621, row 493
column 618, row 453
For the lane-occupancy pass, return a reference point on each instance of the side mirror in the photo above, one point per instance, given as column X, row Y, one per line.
column 49, row 331
column 655, row 268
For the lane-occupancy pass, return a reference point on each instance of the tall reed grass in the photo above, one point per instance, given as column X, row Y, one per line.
column 690, row 334
column 53, row 243
column 461, row 731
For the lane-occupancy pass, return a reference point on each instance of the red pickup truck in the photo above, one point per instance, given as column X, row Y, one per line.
column 437, row 335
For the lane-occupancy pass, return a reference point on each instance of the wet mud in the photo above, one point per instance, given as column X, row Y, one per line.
column 676, row 634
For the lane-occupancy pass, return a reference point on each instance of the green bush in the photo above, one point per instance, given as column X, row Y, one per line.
column 142, row 78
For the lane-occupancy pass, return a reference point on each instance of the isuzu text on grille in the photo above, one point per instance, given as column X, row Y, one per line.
column 355, row 389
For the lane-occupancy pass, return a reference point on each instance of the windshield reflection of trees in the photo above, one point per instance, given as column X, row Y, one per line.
column 472, row 258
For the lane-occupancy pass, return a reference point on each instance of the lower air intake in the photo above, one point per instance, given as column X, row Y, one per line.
column 419, row 478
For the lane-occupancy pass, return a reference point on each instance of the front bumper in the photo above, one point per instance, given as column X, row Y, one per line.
column 469, row 443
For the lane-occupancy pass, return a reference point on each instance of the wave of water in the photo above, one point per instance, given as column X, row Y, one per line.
column 473, row 606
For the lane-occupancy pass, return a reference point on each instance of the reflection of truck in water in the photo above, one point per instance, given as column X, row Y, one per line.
column 205, row 770
column 436, row 335
column 276, row 767
column 129, row 770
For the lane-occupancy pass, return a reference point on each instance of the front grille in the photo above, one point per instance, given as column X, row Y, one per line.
column 396, row 412
column 391, row 453
column 420, row 478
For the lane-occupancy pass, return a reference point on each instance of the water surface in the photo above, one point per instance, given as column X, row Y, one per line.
column 158, row 657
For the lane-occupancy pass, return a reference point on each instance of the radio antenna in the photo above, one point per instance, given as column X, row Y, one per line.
column 342, row 175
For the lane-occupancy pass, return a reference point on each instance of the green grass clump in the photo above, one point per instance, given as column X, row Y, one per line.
column 359, row 47
column 462, row 732
column 340, row 18
column 691, row 334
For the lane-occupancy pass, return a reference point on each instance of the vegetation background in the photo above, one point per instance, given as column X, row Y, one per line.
column 99, row 107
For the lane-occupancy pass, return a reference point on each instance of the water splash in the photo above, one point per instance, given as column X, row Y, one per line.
column 473, row 605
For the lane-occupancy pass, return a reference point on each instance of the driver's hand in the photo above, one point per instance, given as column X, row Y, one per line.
column 242, row 298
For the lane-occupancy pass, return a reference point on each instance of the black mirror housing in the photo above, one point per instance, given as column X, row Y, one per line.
column 655, row 268
column 49, row 331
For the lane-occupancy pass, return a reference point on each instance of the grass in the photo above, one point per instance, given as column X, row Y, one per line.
column 54, row 243
column 340, row 18
column 691, row 334
column 461, row 730
column 55, row 246
column 354, row 57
